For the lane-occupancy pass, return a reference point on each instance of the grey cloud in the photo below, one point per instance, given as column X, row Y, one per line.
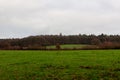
column 19, row 18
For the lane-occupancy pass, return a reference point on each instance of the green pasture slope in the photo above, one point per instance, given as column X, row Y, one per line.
column 60, row 65
column 69, row 46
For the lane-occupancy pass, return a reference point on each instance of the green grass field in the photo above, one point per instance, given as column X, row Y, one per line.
column 69, row 46
column 60, row 65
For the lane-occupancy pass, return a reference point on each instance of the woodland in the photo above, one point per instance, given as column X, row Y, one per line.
column 40, row 42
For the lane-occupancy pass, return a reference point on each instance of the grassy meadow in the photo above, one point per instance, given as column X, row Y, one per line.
column 60, row 65
column 70, row 46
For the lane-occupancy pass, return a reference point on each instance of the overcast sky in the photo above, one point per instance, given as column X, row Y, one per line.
column 20, row 18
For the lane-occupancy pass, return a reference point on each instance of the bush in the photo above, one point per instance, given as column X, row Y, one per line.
column 110, row 45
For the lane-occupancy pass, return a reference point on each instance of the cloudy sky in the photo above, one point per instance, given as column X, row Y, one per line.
column 20, row 18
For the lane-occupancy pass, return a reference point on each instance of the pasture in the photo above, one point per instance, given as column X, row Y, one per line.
column 60, row 65
column 69, row 46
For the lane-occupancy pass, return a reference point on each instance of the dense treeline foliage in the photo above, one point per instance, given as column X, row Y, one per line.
column 40, row 42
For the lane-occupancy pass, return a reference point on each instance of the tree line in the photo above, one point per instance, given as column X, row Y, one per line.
column 102, row 41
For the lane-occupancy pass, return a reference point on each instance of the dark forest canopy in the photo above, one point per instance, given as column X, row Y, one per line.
column 41, row 41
